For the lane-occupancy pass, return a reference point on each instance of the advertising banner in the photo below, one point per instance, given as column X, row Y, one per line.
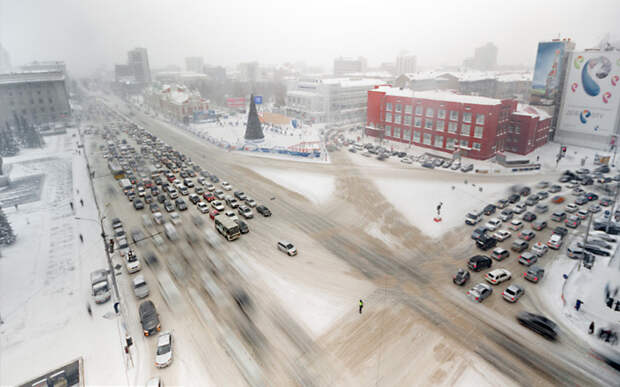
column 547, row 71
column 591, row 97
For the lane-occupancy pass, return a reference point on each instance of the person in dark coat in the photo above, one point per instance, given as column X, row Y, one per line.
column 578, row 305
column 591, row 328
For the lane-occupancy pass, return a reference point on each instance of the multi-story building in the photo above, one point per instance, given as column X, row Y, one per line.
column 333, row 100
column 529, row 129
column 343, row 66
column 176, row 101
column 5, row 60
column 485, row 58
column 54, row 65
column 249, row 72
column 406, row 64
column 138, row 59
column 195, row 64
column 40, row 97
column 476, row 126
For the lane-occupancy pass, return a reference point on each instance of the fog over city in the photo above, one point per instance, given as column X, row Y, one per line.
column 89, row 33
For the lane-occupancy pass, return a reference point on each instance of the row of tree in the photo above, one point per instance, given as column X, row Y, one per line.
column 21, row 134
column 7, row 237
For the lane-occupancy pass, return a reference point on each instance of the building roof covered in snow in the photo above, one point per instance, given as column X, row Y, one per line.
column 438, row 96
column 31, row 76
column 529, row 110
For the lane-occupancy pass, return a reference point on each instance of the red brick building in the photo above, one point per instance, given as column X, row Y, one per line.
column 477, row 126
column 528, row 130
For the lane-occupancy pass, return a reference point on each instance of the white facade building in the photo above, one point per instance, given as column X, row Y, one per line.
column 333, row 100
column 406, row 64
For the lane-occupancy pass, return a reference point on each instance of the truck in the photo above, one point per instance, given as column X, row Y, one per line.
column 100, row 286
column 227, row 227
column 125, row 184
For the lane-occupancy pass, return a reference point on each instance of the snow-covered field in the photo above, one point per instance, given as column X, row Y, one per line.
column 316, row 187
column 44, row 285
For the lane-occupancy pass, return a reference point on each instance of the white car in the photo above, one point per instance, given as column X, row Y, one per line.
column 203, row 207
column 245, row 212
column 493, row 224
column 520, row 208
column 555, row 242
column 497, row 276
column 405, row 160
column 209, row 187
column 571, row 207
column 226, row 186
column 140, row 288
column 516, row 225
column 539, row 249
column 287, row 247
column 158, row 217
column 250, row 202
column 502, row 235
column 218, row 205
column 132, row 262
column 175, row 218
column 231, row 215
column 163, row 357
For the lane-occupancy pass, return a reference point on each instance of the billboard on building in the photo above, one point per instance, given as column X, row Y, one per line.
column 591, row 98
column 235, row 103
column 547, row 71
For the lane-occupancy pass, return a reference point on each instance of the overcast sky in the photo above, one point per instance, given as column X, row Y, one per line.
column 88, row 34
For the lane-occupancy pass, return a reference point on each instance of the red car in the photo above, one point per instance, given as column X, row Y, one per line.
column 213, row 213
column 209, row 197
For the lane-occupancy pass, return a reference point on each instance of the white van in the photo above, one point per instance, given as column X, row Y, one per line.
column 125, row 184
column 100, row 286
column 171, row 231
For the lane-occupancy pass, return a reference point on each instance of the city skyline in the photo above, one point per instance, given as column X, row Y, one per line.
column 101, row 34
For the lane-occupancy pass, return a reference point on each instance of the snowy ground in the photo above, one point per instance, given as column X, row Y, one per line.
column 44, row 277
column 316, row 187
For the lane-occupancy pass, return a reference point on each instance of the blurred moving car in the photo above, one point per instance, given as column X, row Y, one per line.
column 163, row 356
column 539, row 324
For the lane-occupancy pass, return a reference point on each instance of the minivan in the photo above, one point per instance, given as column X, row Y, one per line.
column 473, row 217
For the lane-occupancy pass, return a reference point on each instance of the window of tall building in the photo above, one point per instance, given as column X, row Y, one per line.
column 388, row 131
column 408, row 109
column 476, row 146
column 439, row 141
column 467, row 117
column 452, row 126
column 396, row 132
column 418, row 110
column 388, row 117
column 478, row 131
column 428, row 124
column 388, row 106
column 454, row 115
column 418, row 122
column 441, row 113
column 430, row 112
column 465, row 129
column 399, row 107
column 480, row 119
column 407, row 134
column 407, row 120
column 465, row 143
column 416, row 136
column 397, row 118
column 450, row 143
column 439, row 125
column 427, row 139
column 517, row 130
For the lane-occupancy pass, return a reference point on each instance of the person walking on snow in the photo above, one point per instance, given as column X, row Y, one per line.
column 361, row 306
column 578, row 305
column 82, row 202
column 71, row 204
column 81, row 238
column 591, row 328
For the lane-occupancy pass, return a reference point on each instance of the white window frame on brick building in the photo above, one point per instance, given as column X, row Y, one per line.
column 388, row 106
column 418, row 122
column 478, row 131
column 428, row 140
column 479, row 119
column 465, row 130
column 428, row 124
column 388, row 130
column 396, row 132
column 418, row 110
column 397, row 118
column 406, row 134
column 467, row 117
column 416, row 136
column 407, row 120
column 440, row 125
column 438, row 141
column 476, row 146
column 408, row 109
column 388, row 117
column 450, row 143
column 454, row 115
column 441, row 113
column 430, row 112
column 399, row 107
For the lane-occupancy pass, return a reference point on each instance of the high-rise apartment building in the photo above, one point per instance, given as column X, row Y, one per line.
column 138, row 60
column 194, row 64
column 406, row 64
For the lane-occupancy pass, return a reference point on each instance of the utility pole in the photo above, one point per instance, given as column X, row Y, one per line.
column 585, row 241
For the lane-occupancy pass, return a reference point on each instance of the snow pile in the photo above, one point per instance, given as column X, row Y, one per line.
column 417, row 201
column 316, row 187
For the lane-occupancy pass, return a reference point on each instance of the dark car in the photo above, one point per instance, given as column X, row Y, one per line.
column 542, row 195
column 149, row 318
column 489, row 209
column 587, row 180
column 611, row 228
column 486, row 242
column 555, row 188
column 502, row 203
column 524, row 191
column 539, row 324
column 479, row 262
column 461, row 277
column 138, row 204
column 243, row 226
column 565, row 178
column 588, row 260
column 581, row 200
column 214, row 179
column 161, row 198
column 606, row 202
column 264, row 211
column 514, row 198
column 180, row 204
column 529, row 216
column 532, row 200
column 194, row 198
column 591, row 196
column 561, row 231
column 595, row 249
column 480, row 231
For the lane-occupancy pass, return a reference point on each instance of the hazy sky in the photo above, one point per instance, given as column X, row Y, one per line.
column 87, row 34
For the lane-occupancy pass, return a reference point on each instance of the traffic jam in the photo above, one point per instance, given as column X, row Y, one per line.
column 517, row 236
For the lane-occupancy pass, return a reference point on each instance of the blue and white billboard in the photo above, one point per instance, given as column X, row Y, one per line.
column 258, row 99
column 547, row 71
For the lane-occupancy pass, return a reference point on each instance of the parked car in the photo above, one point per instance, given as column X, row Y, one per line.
column 264, row 211
column 539, row 324
column 473, row 217
column 520, row 208
column 528, row 258
column 486, row 242
column 480, row 292
column 583, row 214
column 479, row 262
column 534, row 274
column 502, row 235
column 571, row 207
column 591, row 196
column 461, row 277
column 541, row 208
column 493, row 224
column 513, row 198
column 516, row 225
column 561, row 231
column 529, row 217
column 194, row 198
column 489, row 209
column 595, row 249
column 180, row 204
column 581, row 200
column 500, row 253
column 245, row 211
column 163, row 356
column 505, row 215
column 594, row 208
column 512, row 293
column 149, row 318
column 497, row 276
column 539, row 225
column 240, row 195
column 558, row 199
column 203, row 207
column 555, row 242
column 519, row 245
column 250, row 202
column 218, row 205
column 558, row 216
column 527, row 235
column 138, row 204
column 572, row 221
column 140, row 287
column 539, row 249
column 502, row 203
column 287, row 247
column 555, row 188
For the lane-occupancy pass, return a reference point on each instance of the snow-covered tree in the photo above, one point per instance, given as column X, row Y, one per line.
column 7, row 237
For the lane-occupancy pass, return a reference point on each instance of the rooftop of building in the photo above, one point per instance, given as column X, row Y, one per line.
column 438, row 96
column 352, row 82
column 531, row 111
column 31, row 76
column 470, row 76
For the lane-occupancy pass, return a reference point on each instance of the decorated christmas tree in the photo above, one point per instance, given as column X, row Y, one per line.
column 253, row 131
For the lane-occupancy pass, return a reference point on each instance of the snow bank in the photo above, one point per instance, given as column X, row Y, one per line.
column 417, row 201
column 316, row 187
